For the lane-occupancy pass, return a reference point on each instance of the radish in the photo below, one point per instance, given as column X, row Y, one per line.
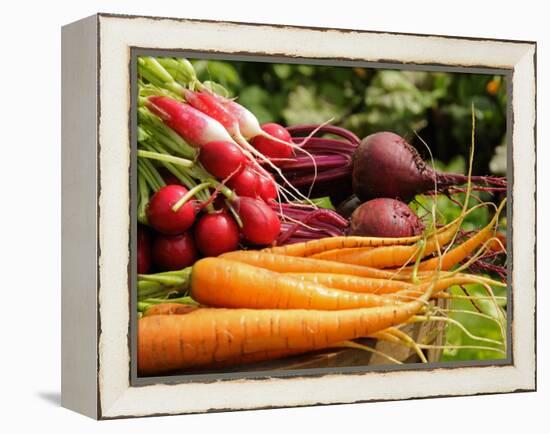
column 143, row 250
column 261, row 225
column 216, row 233
column 267, row 188
column 384, row 217
column 274, row 148
column 234, row 118
column 163, row 218
column 385, row 165
column 207, row 104
column 245, row 183
column 222, row 158
column 191, row 124
column 174, row 252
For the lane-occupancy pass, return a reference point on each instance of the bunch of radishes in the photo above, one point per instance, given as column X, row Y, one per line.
column 204, row 189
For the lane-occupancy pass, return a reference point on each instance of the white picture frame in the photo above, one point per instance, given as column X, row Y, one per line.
column 96, row 246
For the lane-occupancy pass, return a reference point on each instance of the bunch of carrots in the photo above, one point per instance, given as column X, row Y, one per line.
column 254, row 305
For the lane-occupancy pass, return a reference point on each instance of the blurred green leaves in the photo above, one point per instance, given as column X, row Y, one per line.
column 436, row 105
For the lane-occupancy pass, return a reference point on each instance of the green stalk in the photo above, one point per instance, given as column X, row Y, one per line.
column 149, row 179
column 151, row 174
column 143, row 194
column 180, row 69
column 163, row 284
column 148, row 302
column 187, row 196
column 154, row 72
column 165, row 157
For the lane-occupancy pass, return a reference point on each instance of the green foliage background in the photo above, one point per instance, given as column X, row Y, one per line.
column 436, row 105
column 433, row 106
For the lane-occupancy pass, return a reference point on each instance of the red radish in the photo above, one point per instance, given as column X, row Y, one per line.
column 261, row 225
column 281, row 148
column 163, row 218
column 210, row 105
column 216, row 233
column 267, row 189
column 245, row 183
column 191, row 124
column 143, row 250
column 385, row 218
column 222, row 158
column 248, row 123
column 239, row 122
column 385, row 165
column 174, row 252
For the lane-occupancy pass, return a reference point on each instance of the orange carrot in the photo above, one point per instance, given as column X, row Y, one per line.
column 380, row 286
column 459, row 253
column 169, row 309
column 313, row 247
column 291, row 264
column 353, row 283
column 221, row 283
column 388, row 256
column 207, row 335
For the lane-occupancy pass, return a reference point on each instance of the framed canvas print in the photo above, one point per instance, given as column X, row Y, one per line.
column 261, row 216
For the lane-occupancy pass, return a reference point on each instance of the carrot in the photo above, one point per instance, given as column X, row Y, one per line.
column 379, row 286
column 169, row 309
column 221, row 283
column 389, row 256
column 313, row 247
column 353, row 283
column 207, row 335
column 452, row 257
column 291, row 264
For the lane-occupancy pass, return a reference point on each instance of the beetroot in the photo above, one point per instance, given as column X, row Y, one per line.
column 143, row 250
column 222, row 158
column 385, row 218
column 261, row 225
column 162, row 217
column 174, row 252
column 386, row 165
column 216, row 233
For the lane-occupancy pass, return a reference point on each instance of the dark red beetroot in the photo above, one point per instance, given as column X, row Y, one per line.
column 261, row 225
column 273, row 148
column 143, row 250
column 385, row 165
column 267, row 189
column 174, row 252
column 385, row 218
column 161, row 216
column 222, row 158
column 245, row 183
column 216, row 233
